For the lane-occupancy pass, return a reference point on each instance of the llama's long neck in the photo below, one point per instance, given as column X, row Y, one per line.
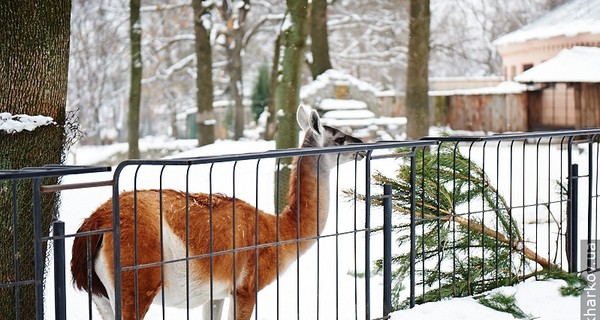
column 308, row 201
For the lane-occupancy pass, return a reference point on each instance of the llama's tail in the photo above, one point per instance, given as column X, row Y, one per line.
column 80, row 261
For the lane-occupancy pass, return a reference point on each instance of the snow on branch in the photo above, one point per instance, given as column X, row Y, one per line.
column 165, row 74
column 263, row 19
column 20, row 122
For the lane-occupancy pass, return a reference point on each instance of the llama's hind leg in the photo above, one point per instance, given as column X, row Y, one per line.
column 148, row 286
column 217, row 310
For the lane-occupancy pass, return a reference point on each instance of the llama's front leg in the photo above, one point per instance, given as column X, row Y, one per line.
column 216, row 307
column 244, row 304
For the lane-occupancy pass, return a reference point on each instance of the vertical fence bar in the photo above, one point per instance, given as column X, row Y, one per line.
column 37, row 249
column 572, row 218
column 387, row 250
column 60, row 297
column 117, row 244
column 413, row 228
column 16, row 260
column 368, row 236
column 589, row 254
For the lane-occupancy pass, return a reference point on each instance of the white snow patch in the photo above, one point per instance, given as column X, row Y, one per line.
column 341, row 104
column 337, row 77
column 506, row 87
column 540, row 299
column 20, row 122
column 287, row 23
column 349, row 114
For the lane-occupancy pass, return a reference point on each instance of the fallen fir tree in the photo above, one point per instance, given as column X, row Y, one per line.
column 466, row 240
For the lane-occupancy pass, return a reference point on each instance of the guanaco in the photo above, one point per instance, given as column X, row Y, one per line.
column 302, row 220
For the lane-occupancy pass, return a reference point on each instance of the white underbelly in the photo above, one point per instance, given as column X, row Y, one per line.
column 178, row 289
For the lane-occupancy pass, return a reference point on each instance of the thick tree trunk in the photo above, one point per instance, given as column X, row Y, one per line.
column 417, row 87
column 135, row 91
column 34, row 55
column 205, row 121
column 293, row 41
column 319, row 38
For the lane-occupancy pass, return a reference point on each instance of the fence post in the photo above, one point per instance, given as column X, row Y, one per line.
column 387, row 250
column 37, row 249
column 572, row 205
column 60, row 297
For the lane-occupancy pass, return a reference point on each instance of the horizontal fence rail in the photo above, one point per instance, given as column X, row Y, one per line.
column 412, row 222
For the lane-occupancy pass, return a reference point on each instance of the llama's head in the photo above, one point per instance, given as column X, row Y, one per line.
column 317, row 135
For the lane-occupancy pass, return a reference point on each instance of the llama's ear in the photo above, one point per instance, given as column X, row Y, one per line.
column 302, row 115
column 315, row 122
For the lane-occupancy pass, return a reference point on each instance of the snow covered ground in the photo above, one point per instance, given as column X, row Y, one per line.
column 538, row 299
column 541, row 300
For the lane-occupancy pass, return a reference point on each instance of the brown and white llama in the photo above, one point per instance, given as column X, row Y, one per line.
column 308, row 197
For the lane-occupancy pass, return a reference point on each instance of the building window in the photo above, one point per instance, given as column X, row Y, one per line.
column 527, row 66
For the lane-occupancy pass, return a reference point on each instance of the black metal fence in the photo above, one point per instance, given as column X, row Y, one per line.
column 412, row 222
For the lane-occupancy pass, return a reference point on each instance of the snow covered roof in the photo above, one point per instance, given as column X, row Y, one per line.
column 18, row 123
column 341, row 104
column 572, row 18
column 578, row 64
column 336, row 77
column 506, row 87
column 348, row 114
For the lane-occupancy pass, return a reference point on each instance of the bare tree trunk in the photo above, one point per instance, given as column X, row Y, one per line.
column 293, row 41
column 34, row 55
column 135, row 90
column 417, row 87
column 205, row 121
column 272, row 118
column 234, row 67
column 236, row 27
column 319, row 38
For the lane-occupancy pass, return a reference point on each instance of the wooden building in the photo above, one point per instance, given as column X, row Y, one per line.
column 564, row 92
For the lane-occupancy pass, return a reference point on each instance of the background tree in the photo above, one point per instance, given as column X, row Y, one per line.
column 369, row 40
column 34, row 60
column 319, row 61
column 205, row 125
column 96, row 66
column 417, row 83
column 135, row 89
column 234, row 16
column 260, row 94
column 293, row 42
column 273, row 82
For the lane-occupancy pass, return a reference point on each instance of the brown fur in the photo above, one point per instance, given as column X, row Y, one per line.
column 204, row 211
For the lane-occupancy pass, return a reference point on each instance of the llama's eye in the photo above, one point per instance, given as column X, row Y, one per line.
column 340, row 141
